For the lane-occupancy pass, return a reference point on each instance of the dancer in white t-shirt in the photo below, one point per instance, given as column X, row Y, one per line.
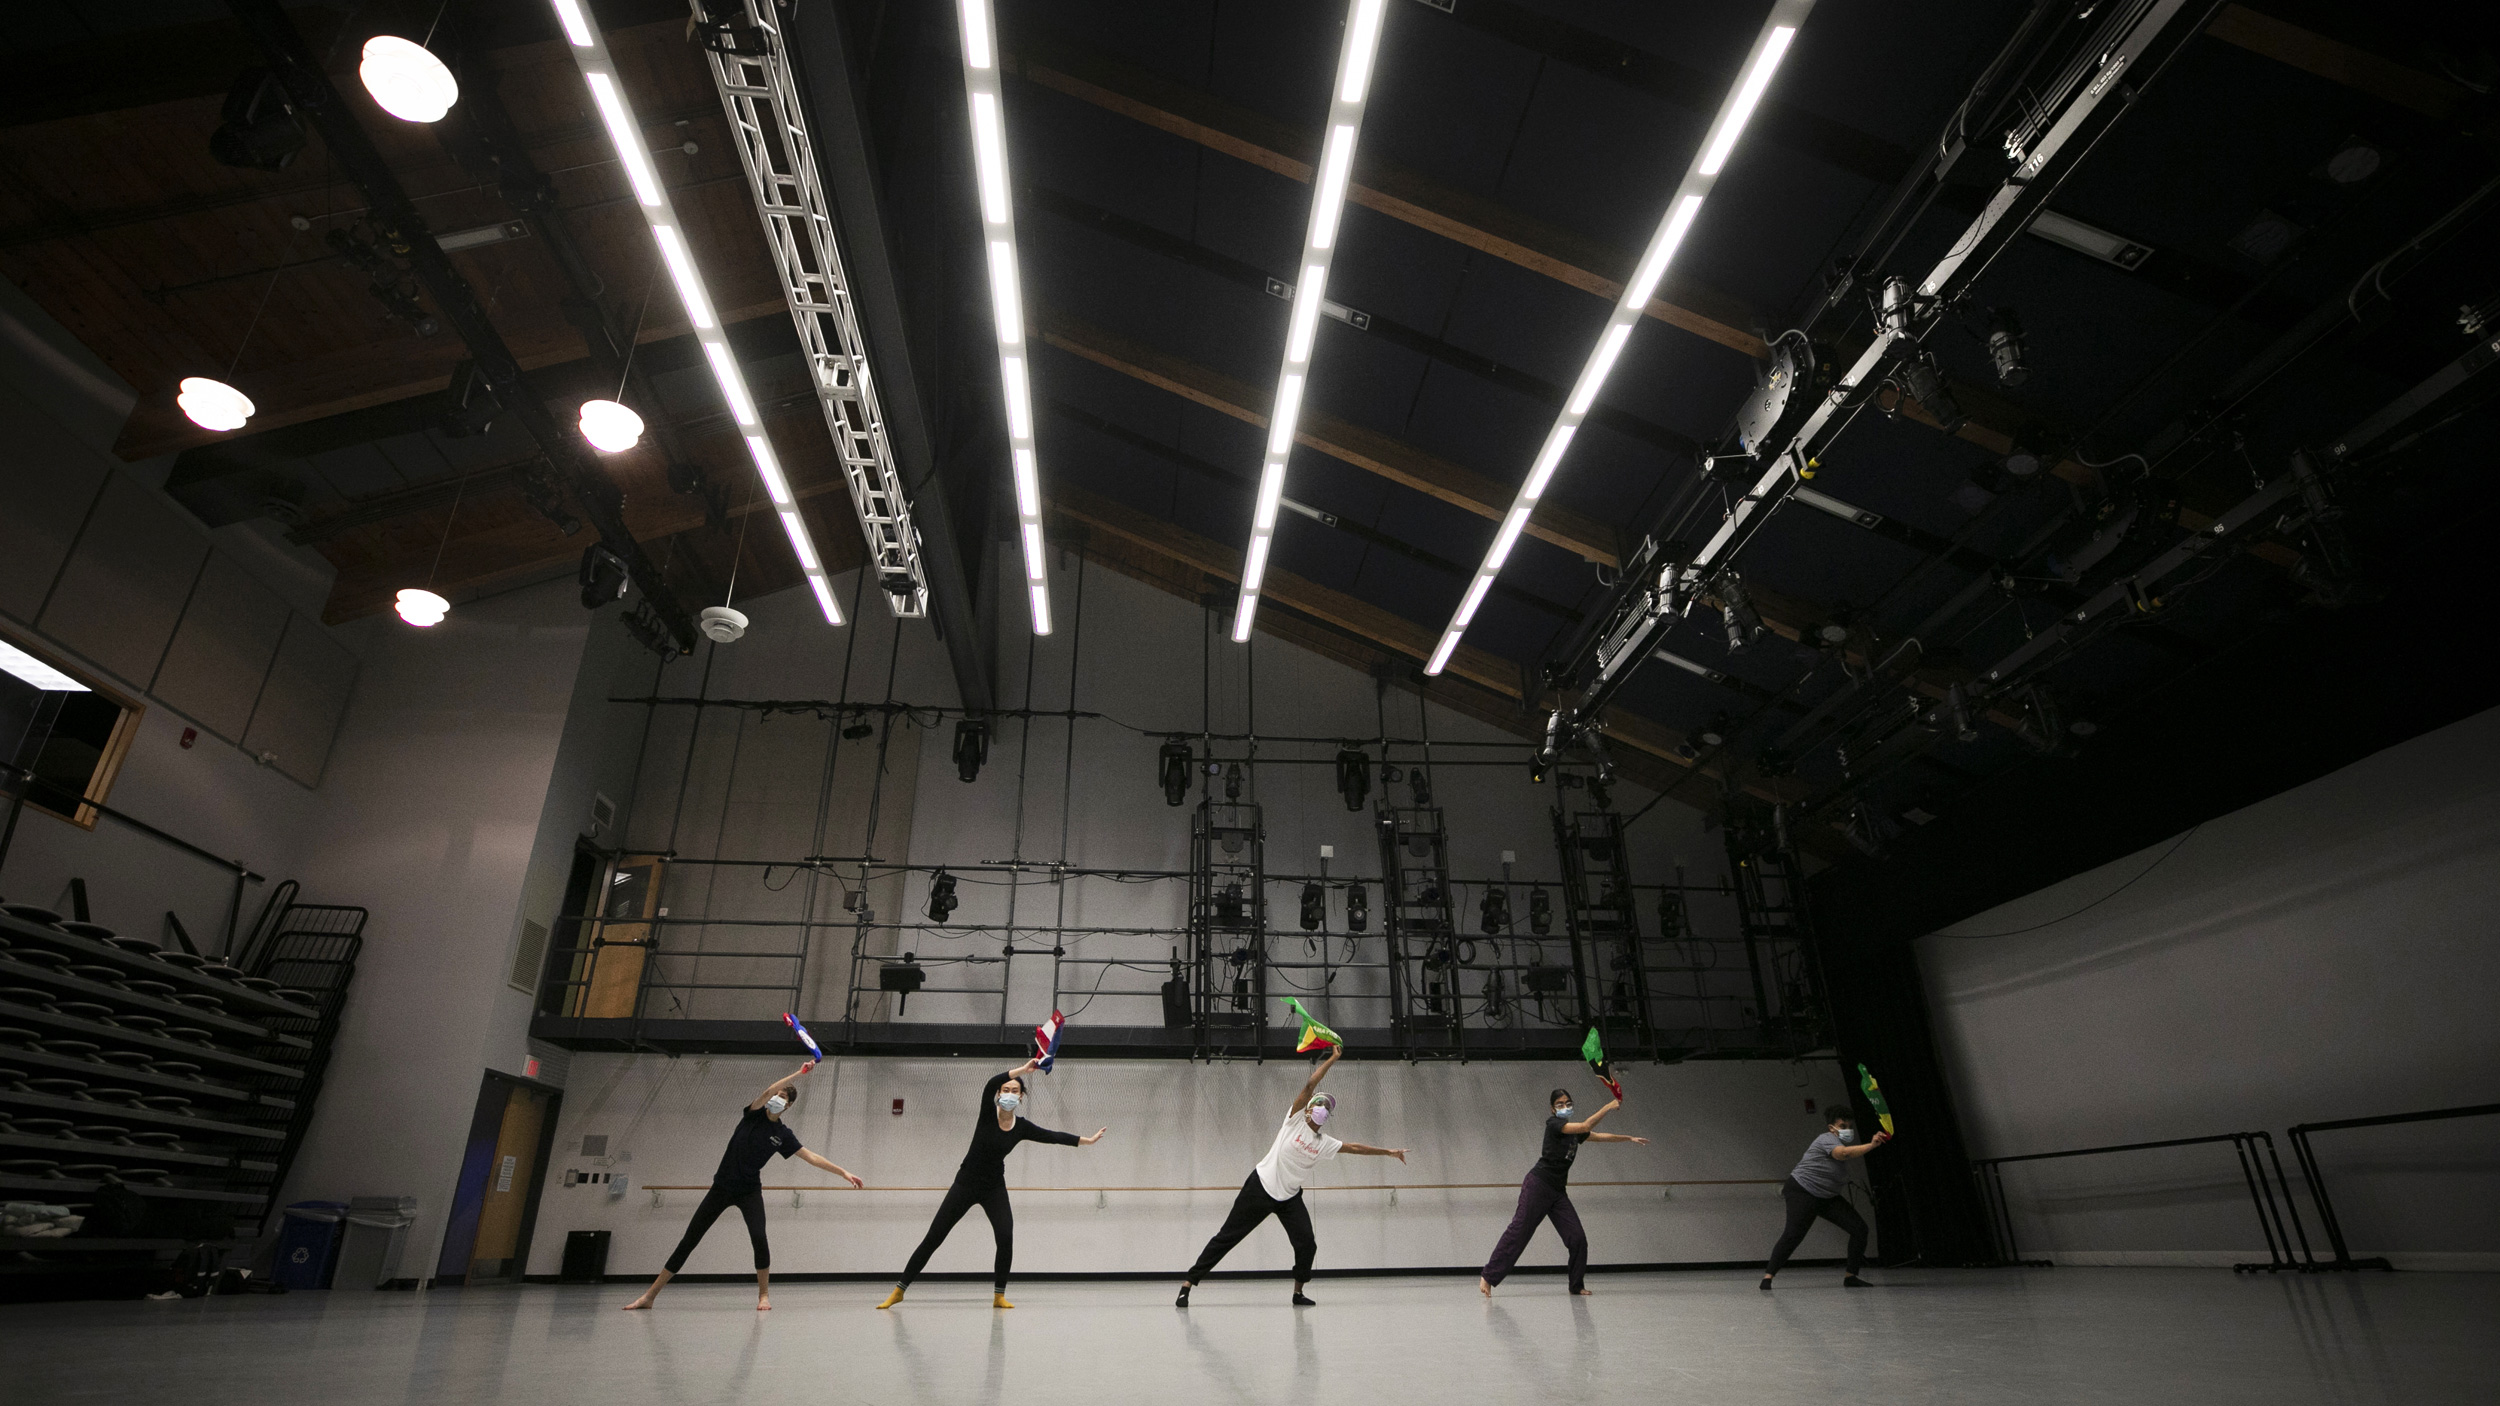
column 1274, row 1187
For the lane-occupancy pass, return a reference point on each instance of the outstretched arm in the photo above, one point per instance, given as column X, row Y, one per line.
column 1617, row 1137
column 820, row 1163
column 1310, row 1086
column 1365, row 1150
column 781, row 1084
column 1843, row 1154
column 1589, row 1124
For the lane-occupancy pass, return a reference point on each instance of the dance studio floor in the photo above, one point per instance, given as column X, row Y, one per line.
column 2064, row 1335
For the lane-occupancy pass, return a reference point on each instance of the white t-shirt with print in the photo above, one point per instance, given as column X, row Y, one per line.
column 1298, row 1148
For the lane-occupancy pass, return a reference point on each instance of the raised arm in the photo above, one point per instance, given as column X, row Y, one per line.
column 781, row 1084
column 821, row 1164
column 1023, row 1069
column 1589, row 1124
column 1310, row 1086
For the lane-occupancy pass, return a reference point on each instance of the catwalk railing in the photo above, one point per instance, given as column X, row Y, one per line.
column 2307, row 1159
column 2255, row 1151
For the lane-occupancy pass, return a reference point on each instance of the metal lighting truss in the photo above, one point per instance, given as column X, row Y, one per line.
column 1769, row 47
column 1310, row 293
column 598, row 69
column 998, row 236
column 2125, row 52
column 752, row 70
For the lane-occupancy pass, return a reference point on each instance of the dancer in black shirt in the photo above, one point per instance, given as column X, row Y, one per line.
column 1545, row 1193
column 739, row 1182
column 982, row 1179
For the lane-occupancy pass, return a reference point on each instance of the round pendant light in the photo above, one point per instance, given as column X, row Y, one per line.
column 610, row 427
column 407, row 80
column 421, row 607
column 214, row 405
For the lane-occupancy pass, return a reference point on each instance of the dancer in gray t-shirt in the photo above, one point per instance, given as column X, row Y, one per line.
column 1814, row 1189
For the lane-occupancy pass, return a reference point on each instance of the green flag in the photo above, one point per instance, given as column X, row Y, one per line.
column 1875, row 1098
column 1593, row 1050
column 1314, row 1035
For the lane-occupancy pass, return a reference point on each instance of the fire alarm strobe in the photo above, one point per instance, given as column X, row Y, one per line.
column 898, row 1108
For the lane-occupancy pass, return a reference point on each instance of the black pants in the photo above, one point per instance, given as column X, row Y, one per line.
column 1803, row 1207
column 1252, row 1206
column 959, row 1199
column 750, row 1204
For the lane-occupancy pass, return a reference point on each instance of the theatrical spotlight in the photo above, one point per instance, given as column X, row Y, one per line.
column 1670, row 915
column 1172, row 771
column 858, row 730
column 259, row 131
column 1744, row 624
column 1354, row 777
column 2005, row 347
column 972, row 747
column 902, row 978
column 1314, row 907
column 1495, row 911
column 1232, row 782
column 1925, row 383
column 1540, row 911
column 941, row 897
column 1358, row 908
column 603, row 577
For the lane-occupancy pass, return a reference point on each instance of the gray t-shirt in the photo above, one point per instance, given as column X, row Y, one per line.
column 1819, row 1172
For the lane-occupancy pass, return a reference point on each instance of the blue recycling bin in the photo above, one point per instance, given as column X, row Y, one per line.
column 308, row 1244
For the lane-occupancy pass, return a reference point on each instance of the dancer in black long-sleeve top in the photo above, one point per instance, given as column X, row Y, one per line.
column 740, row 1183
column 982, row 1179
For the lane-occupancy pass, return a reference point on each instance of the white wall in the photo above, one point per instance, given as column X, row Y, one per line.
column 1177, row 1124
column 2326, row 953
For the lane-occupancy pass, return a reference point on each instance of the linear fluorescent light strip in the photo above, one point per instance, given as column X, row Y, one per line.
column 590, row 54
column 1310, row 292
column 27, row 669
column 1683, row 208
column 998, row 233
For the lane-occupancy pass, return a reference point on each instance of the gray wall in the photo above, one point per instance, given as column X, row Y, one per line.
column 2326, row 953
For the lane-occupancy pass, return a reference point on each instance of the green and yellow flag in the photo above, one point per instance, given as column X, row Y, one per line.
column 1315, row 1036
column 1593, row 1050
column 1875, row 1098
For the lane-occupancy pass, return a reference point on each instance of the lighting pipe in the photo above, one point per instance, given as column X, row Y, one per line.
column 1769, row 47
column 1355, row 62
column 607, row 94
column 998, row 236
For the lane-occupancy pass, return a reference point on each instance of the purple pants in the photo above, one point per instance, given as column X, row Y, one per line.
column 1540, row 1200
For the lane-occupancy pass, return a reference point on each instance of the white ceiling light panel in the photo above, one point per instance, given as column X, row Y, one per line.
column 998, row 233
column 590, row 54
column 1769, row 47
column 1355, row 61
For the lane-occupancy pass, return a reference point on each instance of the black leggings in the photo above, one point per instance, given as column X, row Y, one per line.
column 959, row 1199
column 1803, row 1207
column 1252, row 1206
column 750, row 1204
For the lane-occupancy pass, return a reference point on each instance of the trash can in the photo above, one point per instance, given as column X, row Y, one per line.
column 585, row 1257
column 376, row 1236
column 308, row 1244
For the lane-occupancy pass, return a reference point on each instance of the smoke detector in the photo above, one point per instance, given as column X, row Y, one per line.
column 723, row 624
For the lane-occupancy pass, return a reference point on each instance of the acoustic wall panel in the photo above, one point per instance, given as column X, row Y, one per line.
column 300, row 705
column 222, row 649
column 118, row 599
column 47, row 483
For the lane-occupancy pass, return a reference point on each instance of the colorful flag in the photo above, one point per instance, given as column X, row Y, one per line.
column 1046, row 1041
column 1593, row 1050
column 1875, row 1098
column 804, row 1038
column 1315, row 1036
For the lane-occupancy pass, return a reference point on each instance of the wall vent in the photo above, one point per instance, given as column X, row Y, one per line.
column 594, row 1144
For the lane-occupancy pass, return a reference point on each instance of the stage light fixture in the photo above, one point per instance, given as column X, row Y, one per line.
column 1232, row 782
column 859, row 731
column 602, row 576
column 1683, row 208
column 598, row 69
column 1494, row 912
column 1310, row 293
column 213, row 405
column 1957, row 711
column 972, row 748
column 1540, row 910
column 1354, row 777
column 1172, row 767
column 941, row 897
column 902, row 978
column 1314, row 907
column 257, row 130
column 407, row 80
column 1358, row 908
column 2005, row 347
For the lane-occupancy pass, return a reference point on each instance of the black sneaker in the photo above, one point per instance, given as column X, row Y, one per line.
column 1766, row 1283
column 1183, row 1300
column 1854, row 1282
column 1302, row 1300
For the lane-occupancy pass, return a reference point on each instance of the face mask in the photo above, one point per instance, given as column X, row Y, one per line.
column 1009, row 1102
column 775, row 1104
column 1846, row 1134
column 1319, row 1114
column 1563, row 1112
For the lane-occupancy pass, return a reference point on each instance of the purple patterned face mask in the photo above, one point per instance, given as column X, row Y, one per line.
column 1319, row 1115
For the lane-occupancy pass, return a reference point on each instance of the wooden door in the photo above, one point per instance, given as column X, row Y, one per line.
column 509, row 1178
column 629, row 899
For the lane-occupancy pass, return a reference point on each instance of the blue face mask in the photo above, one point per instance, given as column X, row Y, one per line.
column 1008, row 1103
column 1563, row 1112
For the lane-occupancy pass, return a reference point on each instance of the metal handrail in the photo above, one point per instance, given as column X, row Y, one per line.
column 2261, row 1192
column 2308, row 1161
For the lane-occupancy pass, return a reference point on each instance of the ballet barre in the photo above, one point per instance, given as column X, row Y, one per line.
column 1391, row 1188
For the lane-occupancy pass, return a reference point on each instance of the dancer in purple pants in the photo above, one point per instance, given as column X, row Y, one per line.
column 1545, row 1194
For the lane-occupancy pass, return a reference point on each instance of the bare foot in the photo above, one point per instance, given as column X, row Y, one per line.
column 763, row 1305
column 1484, row 1287
column 1584, row 1293
column 643, row 1302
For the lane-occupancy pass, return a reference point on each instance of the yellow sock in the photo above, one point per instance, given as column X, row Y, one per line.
column 1000, row 1301
column 893, row 1298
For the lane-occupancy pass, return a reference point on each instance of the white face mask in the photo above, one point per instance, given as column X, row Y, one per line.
column 1008, row 1103
column 775, row 1104
column 1845, row 1134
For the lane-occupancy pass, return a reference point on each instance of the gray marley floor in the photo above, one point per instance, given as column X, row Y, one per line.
column 2064, row 1335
